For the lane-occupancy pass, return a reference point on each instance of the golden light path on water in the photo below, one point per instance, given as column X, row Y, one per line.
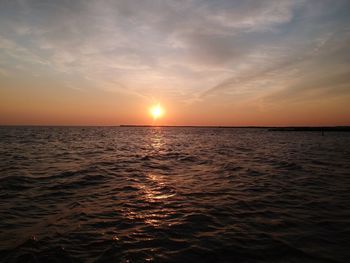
column 154, row 189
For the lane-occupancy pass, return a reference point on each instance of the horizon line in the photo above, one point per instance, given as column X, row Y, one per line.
column 176, row 126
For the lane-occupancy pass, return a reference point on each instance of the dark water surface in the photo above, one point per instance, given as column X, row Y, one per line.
column 173, row 195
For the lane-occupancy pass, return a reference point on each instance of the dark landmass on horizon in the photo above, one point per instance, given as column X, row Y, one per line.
column 323, row 129
column 269, row 128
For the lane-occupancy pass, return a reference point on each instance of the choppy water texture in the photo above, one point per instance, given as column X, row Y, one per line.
column 122, row 194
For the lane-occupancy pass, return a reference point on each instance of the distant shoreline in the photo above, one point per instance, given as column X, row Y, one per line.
column 269, row 128
column 193, row 126
column 322, row 129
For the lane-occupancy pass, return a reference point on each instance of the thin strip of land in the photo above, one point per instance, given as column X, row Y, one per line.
column 269, row 128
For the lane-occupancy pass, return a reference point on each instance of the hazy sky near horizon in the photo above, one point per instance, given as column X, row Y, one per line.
column 223, row 62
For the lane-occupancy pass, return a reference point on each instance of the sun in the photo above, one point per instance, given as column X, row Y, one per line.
column 156, row 111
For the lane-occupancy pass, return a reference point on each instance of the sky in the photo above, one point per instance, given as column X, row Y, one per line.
column 222, row 62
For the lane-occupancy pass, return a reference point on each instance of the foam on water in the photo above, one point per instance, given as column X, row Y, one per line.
column 173, row 195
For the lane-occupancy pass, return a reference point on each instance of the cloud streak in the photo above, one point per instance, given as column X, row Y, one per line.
column 190, row 51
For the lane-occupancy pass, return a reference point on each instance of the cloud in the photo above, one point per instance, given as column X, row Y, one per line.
column 187, row 49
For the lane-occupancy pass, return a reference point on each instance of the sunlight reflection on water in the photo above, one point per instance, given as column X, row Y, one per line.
column 157, row 138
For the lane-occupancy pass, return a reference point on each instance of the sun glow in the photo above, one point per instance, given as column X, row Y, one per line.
column 156, row 111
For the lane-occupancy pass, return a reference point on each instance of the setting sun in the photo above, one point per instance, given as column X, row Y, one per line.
column 156, row 111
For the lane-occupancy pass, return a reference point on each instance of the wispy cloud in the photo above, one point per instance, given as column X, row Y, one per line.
column 191, row 50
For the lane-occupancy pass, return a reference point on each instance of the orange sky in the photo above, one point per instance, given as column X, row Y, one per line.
column 232, row 63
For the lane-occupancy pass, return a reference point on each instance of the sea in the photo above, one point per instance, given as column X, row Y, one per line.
column 173, row 194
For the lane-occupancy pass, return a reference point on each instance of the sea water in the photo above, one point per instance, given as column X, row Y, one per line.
column 136, row 194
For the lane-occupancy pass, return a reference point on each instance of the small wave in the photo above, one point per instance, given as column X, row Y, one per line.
column 252, row 172
column 16, row 182
column 129, row 188
column 291, row 166
column 188, row 158
column 230, row 167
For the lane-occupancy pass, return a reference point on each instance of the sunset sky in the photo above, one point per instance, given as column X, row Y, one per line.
column 218, row 62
